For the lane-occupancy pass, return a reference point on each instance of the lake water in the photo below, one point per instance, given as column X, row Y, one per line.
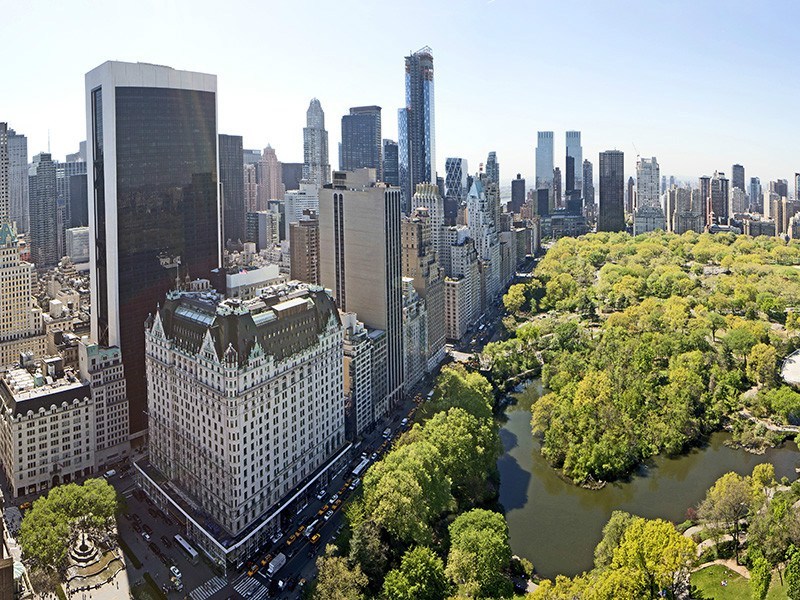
column 556, row 525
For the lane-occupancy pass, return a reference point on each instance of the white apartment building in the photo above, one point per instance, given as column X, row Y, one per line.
column 102, row 368
column 648, row 182
column 359, row 348
column 48, row 433
column 21, row 328
column 59, row 424
column 245, row 404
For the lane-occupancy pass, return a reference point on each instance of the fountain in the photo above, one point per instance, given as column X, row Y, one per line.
column 83, row 551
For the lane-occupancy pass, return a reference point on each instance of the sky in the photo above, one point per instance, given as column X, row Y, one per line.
column 699, row 84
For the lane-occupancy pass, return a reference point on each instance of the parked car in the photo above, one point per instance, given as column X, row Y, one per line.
column 165, row 541
column 147, row 528
column 146, row 536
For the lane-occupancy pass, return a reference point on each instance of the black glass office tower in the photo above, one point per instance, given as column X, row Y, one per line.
column 611, row 213
column 361, row 140
column 390, row 165
column 231, row 176
column 154, row 212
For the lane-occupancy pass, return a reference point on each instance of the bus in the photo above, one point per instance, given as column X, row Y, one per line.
column 361, row 467
column 190, row 552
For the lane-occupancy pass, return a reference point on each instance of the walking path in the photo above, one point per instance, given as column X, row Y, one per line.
column 726, row 562
column 769, row 424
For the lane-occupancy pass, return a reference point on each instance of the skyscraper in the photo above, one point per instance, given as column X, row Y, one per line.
column 231, row 176
column 493, row 168
column 797, row 187
column 575, row 151
column 360, row 261
column 5, row 183
column 630, row 195
column 557, row 187
column 416, row 131
column 18, row 179
column 588, row 183
column 705, row 193
column 647, row 182
column 455, row 187
column 361, row 139
column 316, row 167
column 291, row 175
column 719, row 199
column 390, row 165
column 544, row 161
column 304, row 248
column 737, row 177
column 270, row 178
column 517, row 194
column 154, row 208
column 611, row 216
column 43, row 231
column 755, row 195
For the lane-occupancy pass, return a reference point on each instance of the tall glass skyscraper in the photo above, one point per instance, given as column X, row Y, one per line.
column 361, row 140
column 416, row 147
column 544, row 160
column 154, row 213
column 574, row 150
column 493, row 168
column 455, row 187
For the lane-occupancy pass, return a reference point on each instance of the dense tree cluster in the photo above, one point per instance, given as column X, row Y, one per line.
column 50, row 525
column 646, row 344
column 416, row 532
column 637, row 558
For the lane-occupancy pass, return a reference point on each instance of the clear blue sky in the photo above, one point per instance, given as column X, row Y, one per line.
column 700, row 84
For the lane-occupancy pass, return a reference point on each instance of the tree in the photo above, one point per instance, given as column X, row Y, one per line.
column 760, row 576
column 469, row 448
column 763, row 478
column 47, row 528
column 740, row 341
column 420, row 577
column 406, row 490
column 479, row 554
column 656, row 550
column 761, row 364
column 455, row 386
column 727, row 502
column 337, row 579
column 793, row 573
column 369, row 550
column 514, row 299
column 612, row 536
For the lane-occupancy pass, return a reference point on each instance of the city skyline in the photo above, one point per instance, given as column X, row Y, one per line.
column 695, row 134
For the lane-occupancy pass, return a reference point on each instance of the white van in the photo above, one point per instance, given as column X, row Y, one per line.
column 109, row 474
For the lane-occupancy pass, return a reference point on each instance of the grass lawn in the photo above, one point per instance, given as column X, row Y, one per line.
column 708, row 581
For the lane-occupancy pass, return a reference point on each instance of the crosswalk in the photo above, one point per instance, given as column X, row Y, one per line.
column 251, row 588
column 208, row 589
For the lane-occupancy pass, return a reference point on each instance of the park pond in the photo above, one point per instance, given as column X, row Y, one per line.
column 556, row 524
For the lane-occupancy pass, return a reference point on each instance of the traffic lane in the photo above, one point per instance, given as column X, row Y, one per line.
column 191, row 575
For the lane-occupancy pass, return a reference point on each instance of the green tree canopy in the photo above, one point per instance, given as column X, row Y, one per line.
column 420, row 576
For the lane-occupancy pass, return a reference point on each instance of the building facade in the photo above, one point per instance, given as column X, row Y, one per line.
column 231, row 178
column 316, row 166
column 43, row 212
column 648, row 176
column 544, row 162
column 361, row 259
column 152, row 221
column 361, row 140
column 574, row 172
column 391, row 175
column 18, row 179
column 611, row 214
column 246, row 402
column 416, row 127
column 304, row 248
